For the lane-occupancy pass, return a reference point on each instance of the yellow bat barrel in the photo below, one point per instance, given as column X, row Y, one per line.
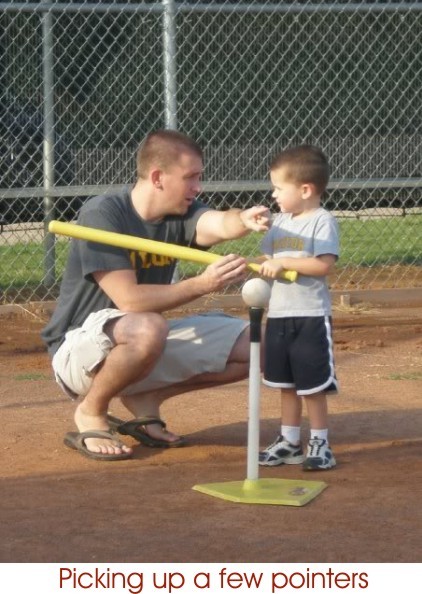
column 150, row 246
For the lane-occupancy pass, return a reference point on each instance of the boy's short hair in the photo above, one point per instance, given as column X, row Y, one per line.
column 304, row 164
column 162, row 148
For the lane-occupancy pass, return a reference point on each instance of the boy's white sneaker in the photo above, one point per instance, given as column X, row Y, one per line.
column 281, row 452
column 319, row 455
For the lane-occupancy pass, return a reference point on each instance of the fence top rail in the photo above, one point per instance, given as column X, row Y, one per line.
column 159, row 7
column 223, row 186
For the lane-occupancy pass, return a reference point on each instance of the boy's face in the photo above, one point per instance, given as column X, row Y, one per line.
column 289, row 196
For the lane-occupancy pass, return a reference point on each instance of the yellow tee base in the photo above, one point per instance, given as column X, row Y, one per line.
column 265, row 491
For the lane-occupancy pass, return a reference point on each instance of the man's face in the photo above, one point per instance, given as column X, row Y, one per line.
column 181, row 183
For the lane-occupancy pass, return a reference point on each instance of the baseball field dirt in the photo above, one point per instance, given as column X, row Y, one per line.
column 58, row 506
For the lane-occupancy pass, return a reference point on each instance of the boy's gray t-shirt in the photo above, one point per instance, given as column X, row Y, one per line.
column 79, row 293
column 299, row 237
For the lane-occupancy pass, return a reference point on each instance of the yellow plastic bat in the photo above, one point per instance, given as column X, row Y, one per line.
column 151, row 246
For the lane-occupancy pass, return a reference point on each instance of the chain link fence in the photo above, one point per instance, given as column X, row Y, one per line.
column 81, row 83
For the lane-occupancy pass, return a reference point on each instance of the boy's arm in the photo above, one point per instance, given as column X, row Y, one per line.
column 310, row 266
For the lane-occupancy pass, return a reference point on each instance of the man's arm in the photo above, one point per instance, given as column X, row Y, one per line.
column 127, row 295
column 215, row 226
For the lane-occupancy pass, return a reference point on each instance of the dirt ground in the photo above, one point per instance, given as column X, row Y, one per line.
column 57, row 506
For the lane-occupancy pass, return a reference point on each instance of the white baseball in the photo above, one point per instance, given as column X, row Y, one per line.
column 256, row 292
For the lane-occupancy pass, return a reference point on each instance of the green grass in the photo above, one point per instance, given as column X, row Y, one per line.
column 22, row 264
column 31, row 377
column 411, row 375
column 372, row 242
column 378, row 242
column 392, row 240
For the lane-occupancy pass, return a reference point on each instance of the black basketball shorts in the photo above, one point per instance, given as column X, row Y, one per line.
column 299, row 355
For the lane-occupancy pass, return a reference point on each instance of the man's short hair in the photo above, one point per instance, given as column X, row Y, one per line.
column 162, row 149
column 304, row 164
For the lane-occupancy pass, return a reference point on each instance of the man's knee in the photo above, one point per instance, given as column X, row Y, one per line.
column 148, row 328
column 142, row 331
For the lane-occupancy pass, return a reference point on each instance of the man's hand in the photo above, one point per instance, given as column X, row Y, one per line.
column 215, row 226
column 230, row 269
column 256, row 218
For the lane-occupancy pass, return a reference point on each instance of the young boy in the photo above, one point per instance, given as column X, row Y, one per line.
column 299, row 346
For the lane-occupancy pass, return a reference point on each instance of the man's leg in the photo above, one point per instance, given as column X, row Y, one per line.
column 148, row 403
column 139, row 341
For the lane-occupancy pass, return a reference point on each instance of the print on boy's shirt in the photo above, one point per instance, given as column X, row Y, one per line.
column 145, row 260
column 289, row 243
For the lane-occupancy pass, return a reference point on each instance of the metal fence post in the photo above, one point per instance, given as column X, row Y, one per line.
column 48, row 145
column 170, row 66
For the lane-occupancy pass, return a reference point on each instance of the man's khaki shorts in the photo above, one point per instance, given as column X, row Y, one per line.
column 196, row 344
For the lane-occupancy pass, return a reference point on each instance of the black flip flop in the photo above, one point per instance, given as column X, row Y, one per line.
column 136, row 429
column 76, row 441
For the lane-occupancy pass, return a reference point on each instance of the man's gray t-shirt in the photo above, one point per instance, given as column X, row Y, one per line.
column 79, row 293
column 299, row 237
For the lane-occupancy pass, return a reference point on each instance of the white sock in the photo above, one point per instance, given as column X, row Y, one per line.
column 292, row 434
column 320, row 434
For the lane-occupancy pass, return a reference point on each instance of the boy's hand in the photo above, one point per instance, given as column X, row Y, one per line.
column 271, row 268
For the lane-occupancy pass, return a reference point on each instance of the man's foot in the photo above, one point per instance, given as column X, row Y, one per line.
column 158, row 431
column 281, row 452
column 146, row 425
column 319, row 455
column 149, row 430
column 85, row 422
column 76, row 441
